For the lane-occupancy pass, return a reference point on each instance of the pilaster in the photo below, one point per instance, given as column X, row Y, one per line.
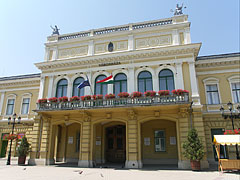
column 179, row 77
column 41, row 89
column 91, row 48
column 131, row 80
column 1, row 102
column 131, row 44
column 187, row 36
column 175, row 37
column 50, row 86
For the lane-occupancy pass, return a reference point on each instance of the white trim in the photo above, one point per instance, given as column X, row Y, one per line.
column 73, row 78
column 24, row 96
column 218, row 71
column 10, row 96
column 231, row 80
column 141, row 69
column 19, row 89
column 50, row 86
column 173, row 69
column 56, row 80
column 1, row 102
column 41, row 88
column 131, row 81
column 212, row 81
column 121, row 71
column 95, row 75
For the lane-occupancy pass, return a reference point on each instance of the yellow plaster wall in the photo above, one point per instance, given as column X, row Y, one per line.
column 147, row 130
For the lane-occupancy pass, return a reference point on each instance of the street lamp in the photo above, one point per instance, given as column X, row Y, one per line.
column 231, row 116
column 13, row 124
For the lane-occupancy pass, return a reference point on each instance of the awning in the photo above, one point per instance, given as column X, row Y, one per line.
column 227, row 139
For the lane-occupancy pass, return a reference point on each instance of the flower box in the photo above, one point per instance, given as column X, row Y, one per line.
column 98, row 96
column 53, row 99
column 11, row 137
column 74, row 98
column 87, row 97
column 163, row 92
column 110, row 96
column 63, row 99
column 43, row 100
column 150, row 93
column 136, row 94
column 123, row 94
column 235, row 131
column 179, row 91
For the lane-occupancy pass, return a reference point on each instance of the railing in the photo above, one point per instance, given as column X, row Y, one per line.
column 116, row 29
column 116, row 102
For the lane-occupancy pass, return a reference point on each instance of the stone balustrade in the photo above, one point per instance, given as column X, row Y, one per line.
column 114, row 103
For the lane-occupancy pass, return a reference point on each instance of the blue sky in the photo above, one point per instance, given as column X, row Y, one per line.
column 25, row 24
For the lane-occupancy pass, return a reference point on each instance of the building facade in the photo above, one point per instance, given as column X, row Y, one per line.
column 153, row 55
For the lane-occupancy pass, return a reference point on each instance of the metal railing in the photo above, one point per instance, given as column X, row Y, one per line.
column 112, row 103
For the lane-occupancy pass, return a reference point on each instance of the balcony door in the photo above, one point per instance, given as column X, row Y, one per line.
column 116, row 144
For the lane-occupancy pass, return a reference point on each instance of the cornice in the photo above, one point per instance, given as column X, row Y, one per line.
column 218, row 63
column 120, row 56
column 20, row 82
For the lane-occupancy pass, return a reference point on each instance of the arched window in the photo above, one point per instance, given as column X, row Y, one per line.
column 144, row 81
column 77, row 91
column 120, row 83
column 166, row 80
column 62, row 88
column 99, row 87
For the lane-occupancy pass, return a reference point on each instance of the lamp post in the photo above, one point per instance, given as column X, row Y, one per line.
column 231, row 116
column 13, row 125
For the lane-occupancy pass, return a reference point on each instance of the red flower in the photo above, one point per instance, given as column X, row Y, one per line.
column 150, row 93
column 110, row 96
column 43, row 100
column 123, row 94
column 163, row 92
column 74, row 98
column 63, row 99
column 179, row 91
column 86, row 97
column 53, row 99
column 98, row 96
column 136, row 94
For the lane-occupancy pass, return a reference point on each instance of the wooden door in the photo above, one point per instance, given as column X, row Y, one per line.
column 116, row 144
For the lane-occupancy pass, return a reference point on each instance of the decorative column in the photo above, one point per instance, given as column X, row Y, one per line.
column 50, row 86
column 187, row 36
column 194, row 85
column 85, row 151
column 41, row 89
column 1, row 101
column 91, row 48
column 88, row 88
column 47, row 51
column 131, row 43
column 51, row 144
column 132, row 156
column 175, row 37
column 55, row 53
column 155, row 81
column 179, row 76
column 69, row 89
column 131, row 80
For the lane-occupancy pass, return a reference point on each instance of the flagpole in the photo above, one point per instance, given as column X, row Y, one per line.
column 90, row 85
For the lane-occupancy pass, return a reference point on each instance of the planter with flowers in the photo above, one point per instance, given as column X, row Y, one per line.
column 63, row 99
column 232, row 132
column 11, row 137
column 41, row 101
column 74, row 99
column 110, row 96
column 23, row 151
column 180, row 92
column 86, row 98
column 53, row 100
column 123, row 94
column 150, row 93
column 163, row 92
column 98, row 96
column 136, row 94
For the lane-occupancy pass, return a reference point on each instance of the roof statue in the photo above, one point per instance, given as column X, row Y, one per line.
column 178, row 10
column 55, row 30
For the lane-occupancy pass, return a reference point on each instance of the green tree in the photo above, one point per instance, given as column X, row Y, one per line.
column 193, row 146
column 24, row 147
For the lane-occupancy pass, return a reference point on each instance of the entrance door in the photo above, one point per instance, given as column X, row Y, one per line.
column 116, row 144
column 4, row 148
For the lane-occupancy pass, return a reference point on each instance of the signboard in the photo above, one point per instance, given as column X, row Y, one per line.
column 70, row 140
column 147, row 141
column 173, row 140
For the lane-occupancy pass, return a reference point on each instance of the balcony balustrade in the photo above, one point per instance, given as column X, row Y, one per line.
column 114, row 103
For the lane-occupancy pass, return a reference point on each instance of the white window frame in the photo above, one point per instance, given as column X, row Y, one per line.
column 10, row 96
column 26, row 95
column 233, row 79
column 212, row 81
column 163, row 150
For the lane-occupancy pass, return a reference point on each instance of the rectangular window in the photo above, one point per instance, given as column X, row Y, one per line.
column 236, row 92
column 212, row 94
column 25, row 105
column 10, row 106
column 160, row 140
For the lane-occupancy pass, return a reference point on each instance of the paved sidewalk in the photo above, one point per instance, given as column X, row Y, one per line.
column 14, row 172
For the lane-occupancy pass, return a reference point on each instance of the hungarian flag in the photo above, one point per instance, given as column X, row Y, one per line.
column 108, row 80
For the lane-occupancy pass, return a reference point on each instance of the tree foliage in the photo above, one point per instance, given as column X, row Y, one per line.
column 24, row 147
column 193, row 146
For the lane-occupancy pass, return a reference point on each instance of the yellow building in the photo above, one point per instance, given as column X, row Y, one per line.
column 153, row 55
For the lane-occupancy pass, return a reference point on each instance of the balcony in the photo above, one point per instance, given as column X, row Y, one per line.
column 114, row 103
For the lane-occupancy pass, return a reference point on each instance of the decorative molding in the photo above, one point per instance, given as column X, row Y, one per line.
column 72, row 52
column 153, row 41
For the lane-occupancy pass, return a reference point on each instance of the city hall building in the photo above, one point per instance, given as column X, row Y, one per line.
column 132, row 131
